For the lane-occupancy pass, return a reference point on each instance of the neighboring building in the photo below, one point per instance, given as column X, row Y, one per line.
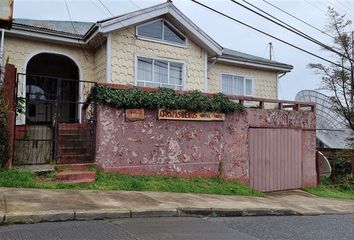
column 332, row 131
column 153, row 47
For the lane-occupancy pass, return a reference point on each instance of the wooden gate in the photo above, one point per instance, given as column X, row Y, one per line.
column 275, row 159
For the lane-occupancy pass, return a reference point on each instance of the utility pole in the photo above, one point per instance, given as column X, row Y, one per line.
column 270, row 50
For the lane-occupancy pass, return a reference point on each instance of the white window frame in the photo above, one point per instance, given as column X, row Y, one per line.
column 184, row 83
column 244, row 83
column 183, row 45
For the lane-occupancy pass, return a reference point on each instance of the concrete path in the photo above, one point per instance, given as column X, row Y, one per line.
column 40, row 205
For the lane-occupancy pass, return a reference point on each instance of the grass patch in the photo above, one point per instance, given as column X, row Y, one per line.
column 342, row 190
column 114, row 181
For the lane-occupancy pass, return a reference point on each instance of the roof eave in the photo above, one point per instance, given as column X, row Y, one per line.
column 261, row 65
column 143, row 15
column 45, row 35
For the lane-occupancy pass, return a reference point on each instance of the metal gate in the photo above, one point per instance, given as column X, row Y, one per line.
column 275, row 159
column 47, row 109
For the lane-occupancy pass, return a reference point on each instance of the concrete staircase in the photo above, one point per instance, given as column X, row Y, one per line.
column 75, row 173
column 75, row 144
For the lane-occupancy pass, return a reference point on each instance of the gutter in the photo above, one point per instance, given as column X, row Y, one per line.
column 257, row 65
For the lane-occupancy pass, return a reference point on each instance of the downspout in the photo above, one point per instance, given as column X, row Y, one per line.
column 205, row 71
column 278, row 83
column 109, row 58
column 213, row 63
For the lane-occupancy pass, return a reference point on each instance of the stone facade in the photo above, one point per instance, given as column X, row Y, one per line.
column 194, row 148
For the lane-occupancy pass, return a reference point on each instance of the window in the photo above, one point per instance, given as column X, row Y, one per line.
column 161, row 30
column 159, row 73
column 236, row 85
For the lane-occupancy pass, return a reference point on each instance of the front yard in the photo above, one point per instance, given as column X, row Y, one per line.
column 113, row 181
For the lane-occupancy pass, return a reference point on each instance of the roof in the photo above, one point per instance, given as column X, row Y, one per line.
column 88, row 32
column 74, row 29
column 331, row 127
column 169, row 11
column 244, row 57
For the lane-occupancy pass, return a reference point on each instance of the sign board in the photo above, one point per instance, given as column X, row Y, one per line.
column 164, row 114
column 132, row 115
column 6, row 13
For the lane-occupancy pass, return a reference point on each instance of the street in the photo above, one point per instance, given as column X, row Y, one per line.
column 244, row 228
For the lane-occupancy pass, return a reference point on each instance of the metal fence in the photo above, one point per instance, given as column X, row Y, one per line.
column 49, row 110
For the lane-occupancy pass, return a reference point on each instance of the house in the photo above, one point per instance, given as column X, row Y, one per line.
column 58, row 63
column 125, row 49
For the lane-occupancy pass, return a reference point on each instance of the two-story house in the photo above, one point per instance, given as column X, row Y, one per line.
column 153, row 47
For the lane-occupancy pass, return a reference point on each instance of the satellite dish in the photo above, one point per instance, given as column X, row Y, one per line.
column 324, row 166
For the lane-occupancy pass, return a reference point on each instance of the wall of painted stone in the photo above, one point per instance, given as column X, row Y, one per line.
column 191, row 148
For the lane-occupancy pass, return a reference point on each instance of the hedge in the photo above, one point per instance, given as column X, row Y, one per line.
column 165, row 98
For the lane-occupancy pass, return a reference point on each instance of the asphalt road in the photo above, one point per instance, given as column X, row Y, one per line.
column 245, row 228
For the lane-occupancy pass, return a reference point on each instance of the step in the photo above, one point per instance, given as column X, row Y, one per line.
column 76, row 177
column 65, row 150
column 69, row 125
column 75, row 158
column 74, row 167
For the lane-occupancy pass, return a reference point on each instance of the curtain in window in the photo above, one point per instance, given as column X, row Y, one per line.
column 248, row 86
column 236, row 85
column 231, row 84
column 144, row 69
column 176, row 73
column 161, row 71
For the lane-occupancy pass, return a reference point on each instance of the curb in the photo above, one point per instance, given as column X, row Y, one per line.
column 226, row 212
column 86, row 215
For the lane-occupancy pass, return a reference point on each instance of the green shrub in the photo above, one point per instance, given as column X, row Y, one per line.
column 341, row 168
column 165, row 98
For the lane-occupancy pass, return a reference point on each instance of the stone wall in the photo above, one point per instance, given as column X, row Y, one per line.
column 193, row 148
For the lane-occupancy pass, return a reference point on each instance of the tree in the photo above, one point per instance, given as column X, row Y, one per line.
column 339, row 78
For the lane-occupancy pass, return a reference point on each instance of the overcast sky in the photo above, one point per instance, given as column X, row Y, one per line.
column 226, row 32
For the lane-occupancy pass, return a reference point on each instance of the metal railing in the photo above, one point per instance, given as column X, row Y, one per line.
column 43, row 104
column 248, row 102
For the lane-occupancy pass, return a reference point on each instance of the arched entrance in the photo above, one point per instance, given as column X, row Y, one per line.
column 50, row 130
column 52, row 89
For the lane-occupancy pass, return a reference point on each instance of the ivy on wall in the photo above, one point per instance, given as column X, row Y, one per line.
column 165, row 98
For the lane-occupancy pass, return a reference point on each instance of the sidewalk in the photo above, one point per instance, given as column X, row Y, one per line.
column 38, row 205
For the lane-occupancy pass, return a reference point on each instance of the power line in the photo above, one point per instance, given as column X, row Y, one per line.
column 72, row 24
column 93, row 2
column 293, row 16
column 315, row 6
column 267, row 34
column 289, row 27
column 345, row 6
column 106, row 8
column 344, row 11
